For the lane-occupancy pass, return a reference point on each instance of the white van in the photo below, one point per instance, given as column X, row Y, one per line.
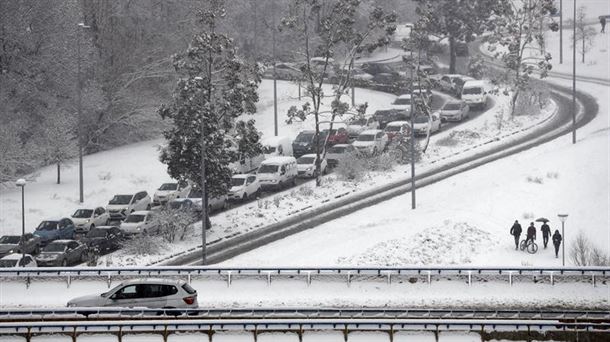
column 475, row 93
column 277, row 146
column 276, row 172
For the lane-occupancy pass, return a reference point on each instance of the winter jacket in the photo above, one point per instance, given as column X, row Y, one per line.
column 557, row 238
column 516, row 229
column 531, row 232
column 546, row 230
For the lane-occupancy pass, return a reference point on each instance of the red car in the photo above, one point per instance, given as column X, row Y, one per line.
column 337, row 136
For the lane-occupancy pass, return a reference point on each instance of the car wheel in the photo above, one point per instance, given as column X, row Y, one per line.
column 144, row 232
column 37, row 250
column 83, row 257
column 148, row 206
column 92, row 226
column 244, row 197
column 64, row 263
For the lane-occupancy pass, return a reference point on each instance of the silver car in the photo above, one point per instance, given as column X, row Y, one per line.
column 147, row 293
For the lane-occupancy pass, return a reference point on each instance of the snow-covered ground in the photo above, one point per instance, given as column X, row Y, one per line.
column 466, row 219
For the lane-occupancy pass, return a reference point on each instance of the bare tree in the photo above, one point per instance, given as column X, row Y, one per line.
column 174, row 223
column 584, row 33
column 584, row 253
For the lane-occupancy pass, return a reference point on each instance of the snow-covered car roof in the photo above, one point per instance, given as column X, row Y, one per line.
column 14, row 256
column 242, row 175
column 371, row 131
column 404, row 96
column 56, row 219
column 397, row 123
column 140, row 212
column 62, row 241
column 311, row 155
column 153, row 281
column 278, row 160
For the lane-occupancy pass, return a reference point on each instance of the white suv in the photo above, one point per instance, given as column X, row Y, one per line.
column 170, row 191
column 371, row 142
column 244, row 186
column 87, row 219
column 139, row 222
column 122, row 205
column 148, row 293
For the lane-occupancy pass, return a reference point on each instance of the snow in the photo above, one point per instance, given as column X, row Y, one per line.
column 142, row 338
column 51, row 338
column 407, row 336
column 13, row 339
column 97, row 338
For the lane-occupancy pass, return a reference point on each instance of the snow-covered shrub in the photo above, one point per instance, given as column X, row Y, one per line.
column 306, row 191
column 535, row 179
column 104, row 176
column 143, row 245
column 173, row 223
column 351, row 167
column 277, row 201
column 584, row 253
column 456, row 136
column 381, row 162
column 552, row 175
column 528, row 216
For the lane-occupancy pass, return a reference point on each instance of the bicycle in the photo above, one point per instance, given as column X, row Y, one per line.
column 531, row 246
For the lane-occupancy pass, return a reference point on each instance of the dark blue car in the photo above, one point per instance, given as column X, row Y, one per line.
column 55, row 229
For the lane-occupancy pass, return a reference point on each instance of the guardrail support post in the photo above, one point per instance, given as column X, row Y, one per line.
column 469, row 278
column 552, row 278
column 349, row 280
column 268, row 278
column 228, row 278
column 308, row 278
column 69, row 280
column 593, row 280
column 429, row 278
column 109, row 280
column 510, row 278
column 28, row 280
column 389, row 278
column 188, row 278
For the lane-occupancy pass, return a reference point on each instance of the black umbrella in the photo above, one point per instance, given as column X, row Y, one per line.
column 542, row 219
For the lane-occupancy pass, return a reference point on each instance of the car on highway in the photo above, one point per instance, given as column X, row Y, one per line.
column 306, row 166
column 17, row 260
column 122, row 205
column 402, row 103
column 277, row 172
column 169, row 191
column 147, row 293
column 455, row 110
column 422, row 124
column 12, row 244
column 54, row 229
column 104, row 238
column 62, row 253
column 459, row 84
column 86, row 219
column 336, row 136
column 357, row 125
column 397, row 128
column 371, row 142
column 139, row 222
column 386, row 116
column 244, row 186
column 193, row 201
column 337, row 152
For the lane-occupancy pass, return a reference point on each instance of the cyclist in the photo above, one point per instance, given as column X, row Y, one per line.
column 531, row 234
column 515, row 231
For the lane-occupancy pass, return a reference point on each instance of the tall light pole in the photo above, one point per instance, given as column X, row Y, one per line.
column 80, row 116
column 574, row 76
column 204, row 197
column 21, row 183
column 275, row 77
column 560, row 31
column 563, row 218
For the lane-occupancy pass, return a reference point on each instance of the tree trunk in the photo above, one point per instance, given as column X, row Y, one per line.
column 452, row 55
column 58, row 173
column 583, row 49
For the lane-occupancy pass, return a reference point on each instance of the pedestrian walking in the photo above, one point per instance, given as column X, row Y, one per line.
column 557, row 242
column 531, row 233
column 515, row 231
column 602, row 21
column 546, row 233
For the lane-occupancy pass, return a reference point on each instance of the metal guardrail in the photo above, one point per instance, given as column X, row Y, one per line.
column 104, row 313
column 298, row 325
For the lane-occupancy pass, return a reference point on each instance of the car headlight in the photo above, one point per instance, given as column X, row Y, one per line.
column 309, row 169
column 71, row 305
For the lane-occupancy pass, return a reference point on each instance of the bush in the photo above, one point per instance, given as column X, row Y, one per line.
column 143, row 245
column 351, row 167
column 174, row 223
column 584, row 253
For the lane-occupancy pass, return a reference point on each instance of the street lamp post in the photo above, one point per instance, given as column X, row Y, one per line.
column 560, row 31
column 574, row 76
column 21, row 183
column 80, row 117
column 204, row 197
column 563, row 218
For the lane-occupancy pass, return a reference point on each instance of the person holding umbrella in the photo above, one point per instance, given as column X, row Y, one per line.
column 546, row 230
column 557, row 242
column 515, row 231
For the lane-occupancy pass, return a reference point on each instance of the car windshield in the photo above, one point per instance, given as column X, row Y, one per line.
column 366, row 137
column 304, row 137
column 451, row 106
column 402, row 101
column 47, row 225
column 358, row 122
column 237, row 181
column 83, row 213
column 269, row 149
column 7, row 263
column 195, row 194
column 421, row 119
column 392, row 128
column 54, row 247
column 96, row 233
column 121, row 199
column 106, row 294
column 337, row 149
column 10, row 239
column 473, row 90
column 305, row 160
column 266, row 168
column 169, row 187
column 134, row 218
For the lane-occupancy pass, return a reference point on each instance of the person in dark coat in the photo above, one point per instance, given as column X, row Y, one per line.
column 531, row 233
column 557, row 242
column 546, row 233
column 602, row 21
column 515, row 231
